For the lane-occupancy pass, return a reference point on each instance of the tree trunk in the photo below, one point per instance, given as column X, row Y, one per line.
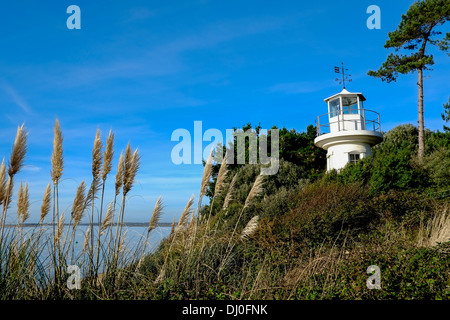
column 421, row 152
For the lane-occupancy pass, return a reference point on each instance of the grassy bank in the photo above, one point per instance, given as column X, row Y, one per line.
column 300, row 234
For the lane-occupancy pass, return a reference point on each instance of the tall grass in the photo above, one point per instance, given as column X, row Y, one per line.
column 34, row 264
column 231, row 250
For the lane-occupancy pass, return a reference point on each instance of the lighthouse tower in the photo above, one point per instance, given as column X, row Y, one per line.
column 348, row 130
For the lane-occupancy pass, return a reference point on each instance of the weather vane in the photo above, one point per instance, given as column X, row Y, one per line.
column 345, row 77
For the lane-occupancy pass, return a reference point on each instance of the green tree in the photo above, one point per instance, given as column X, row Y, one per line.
column 416, row 30
column 446, row 115
column 295, row 147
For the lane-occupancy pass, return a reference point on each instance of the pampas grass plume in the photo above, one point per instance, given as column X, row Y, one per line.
column 250, row 228
column 45, row 207
column 156, row 215
column 57, row 155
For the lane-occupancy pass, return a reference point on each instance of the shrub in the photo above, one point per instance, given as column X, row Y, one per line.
column 437, row 167
column 392, row 170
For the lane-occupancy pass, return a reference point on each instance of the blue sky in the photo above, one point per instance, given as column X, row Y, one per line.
column 147, row 68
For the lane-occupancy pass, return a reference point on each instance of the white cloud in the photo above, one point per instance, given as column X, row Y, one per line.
column 16, row 98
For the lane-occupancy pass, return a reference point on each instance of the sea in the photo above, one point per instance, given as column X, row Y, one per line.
column 135, row 243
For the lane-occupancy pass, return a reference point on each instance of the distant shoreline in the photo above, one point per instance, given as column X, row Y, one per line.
column 126, row 224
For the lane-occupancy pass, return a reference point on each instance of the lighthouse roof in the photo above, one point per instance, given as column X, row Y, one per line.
column 345, row 93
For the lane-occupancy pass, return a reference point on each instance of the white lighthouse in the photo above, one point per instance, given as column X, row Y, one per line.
column 348, row 130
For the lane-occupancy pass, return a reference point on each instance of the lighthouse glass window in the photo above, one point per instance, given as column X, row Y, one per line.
column 354, row 157
column 335, row 107
column 350, row 105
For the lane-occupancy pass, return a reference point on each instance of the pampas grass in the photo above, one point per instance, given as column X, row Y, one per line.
column 2, row 181
column 229, row 196
column 18, row 152
column 132, row 163
column 156, row 215
column 109, row 154
column 185, row 215
column 119, row 175
column 86, row 239
column 256, row 190
column 62, row 240
column 108, row 218
column 79, row 204
column 97, row 160
column 15, row 164
column 436, row 231
column 207, row 171
column 57, row 155
column 107, row 166
column 56, row 173
column 223, row 171
column 45, row 207
column 23, row 204
column 59, row 229
column 172, row 229
column 250, row 228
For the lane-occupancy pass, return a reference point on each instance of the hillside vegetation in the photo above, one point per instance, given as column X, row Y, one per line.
column 299, row 234
column 309, row 235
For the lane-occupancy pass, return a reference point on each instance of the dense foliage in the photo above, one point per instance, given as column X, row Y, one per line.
column 317, row 235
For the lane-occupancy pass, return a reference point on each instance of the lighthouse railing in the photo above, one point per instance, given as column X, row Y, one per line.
column 369, row 120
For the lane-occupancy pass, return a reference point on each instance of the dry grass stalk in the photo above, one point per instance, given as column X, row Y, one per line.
column 15, row 164
column 19, row 199
column 192, row 225
column 156, row 215
column 45, row 207
column 86, row 239
column 441, row 228
column 60, row 228
column 161, row 276
column 185, row 214
column 97, row 155
column 207, row 171
column 139, row 264
column 2, row 181
column 97, row 160
column 23, row 203
column 79, row 204
column 229, row 196
column 437, row 230
column 172, row 229
column 122, row 243
column 109, row 154
column 256, row 190
column 119, row 174
column 57, row 155
column 221, row 177
column 108, row 218
column 8, row 192
column 250, row 228
column 132, row 163
column 18, row 152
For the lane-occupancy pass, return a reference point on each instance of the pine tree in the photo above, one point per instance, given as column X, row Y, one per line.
column 416, row 30
column 446, row 115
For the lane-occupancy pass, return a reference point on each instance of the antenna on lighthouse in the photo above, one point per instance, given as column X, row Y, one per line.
column 345, row 77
